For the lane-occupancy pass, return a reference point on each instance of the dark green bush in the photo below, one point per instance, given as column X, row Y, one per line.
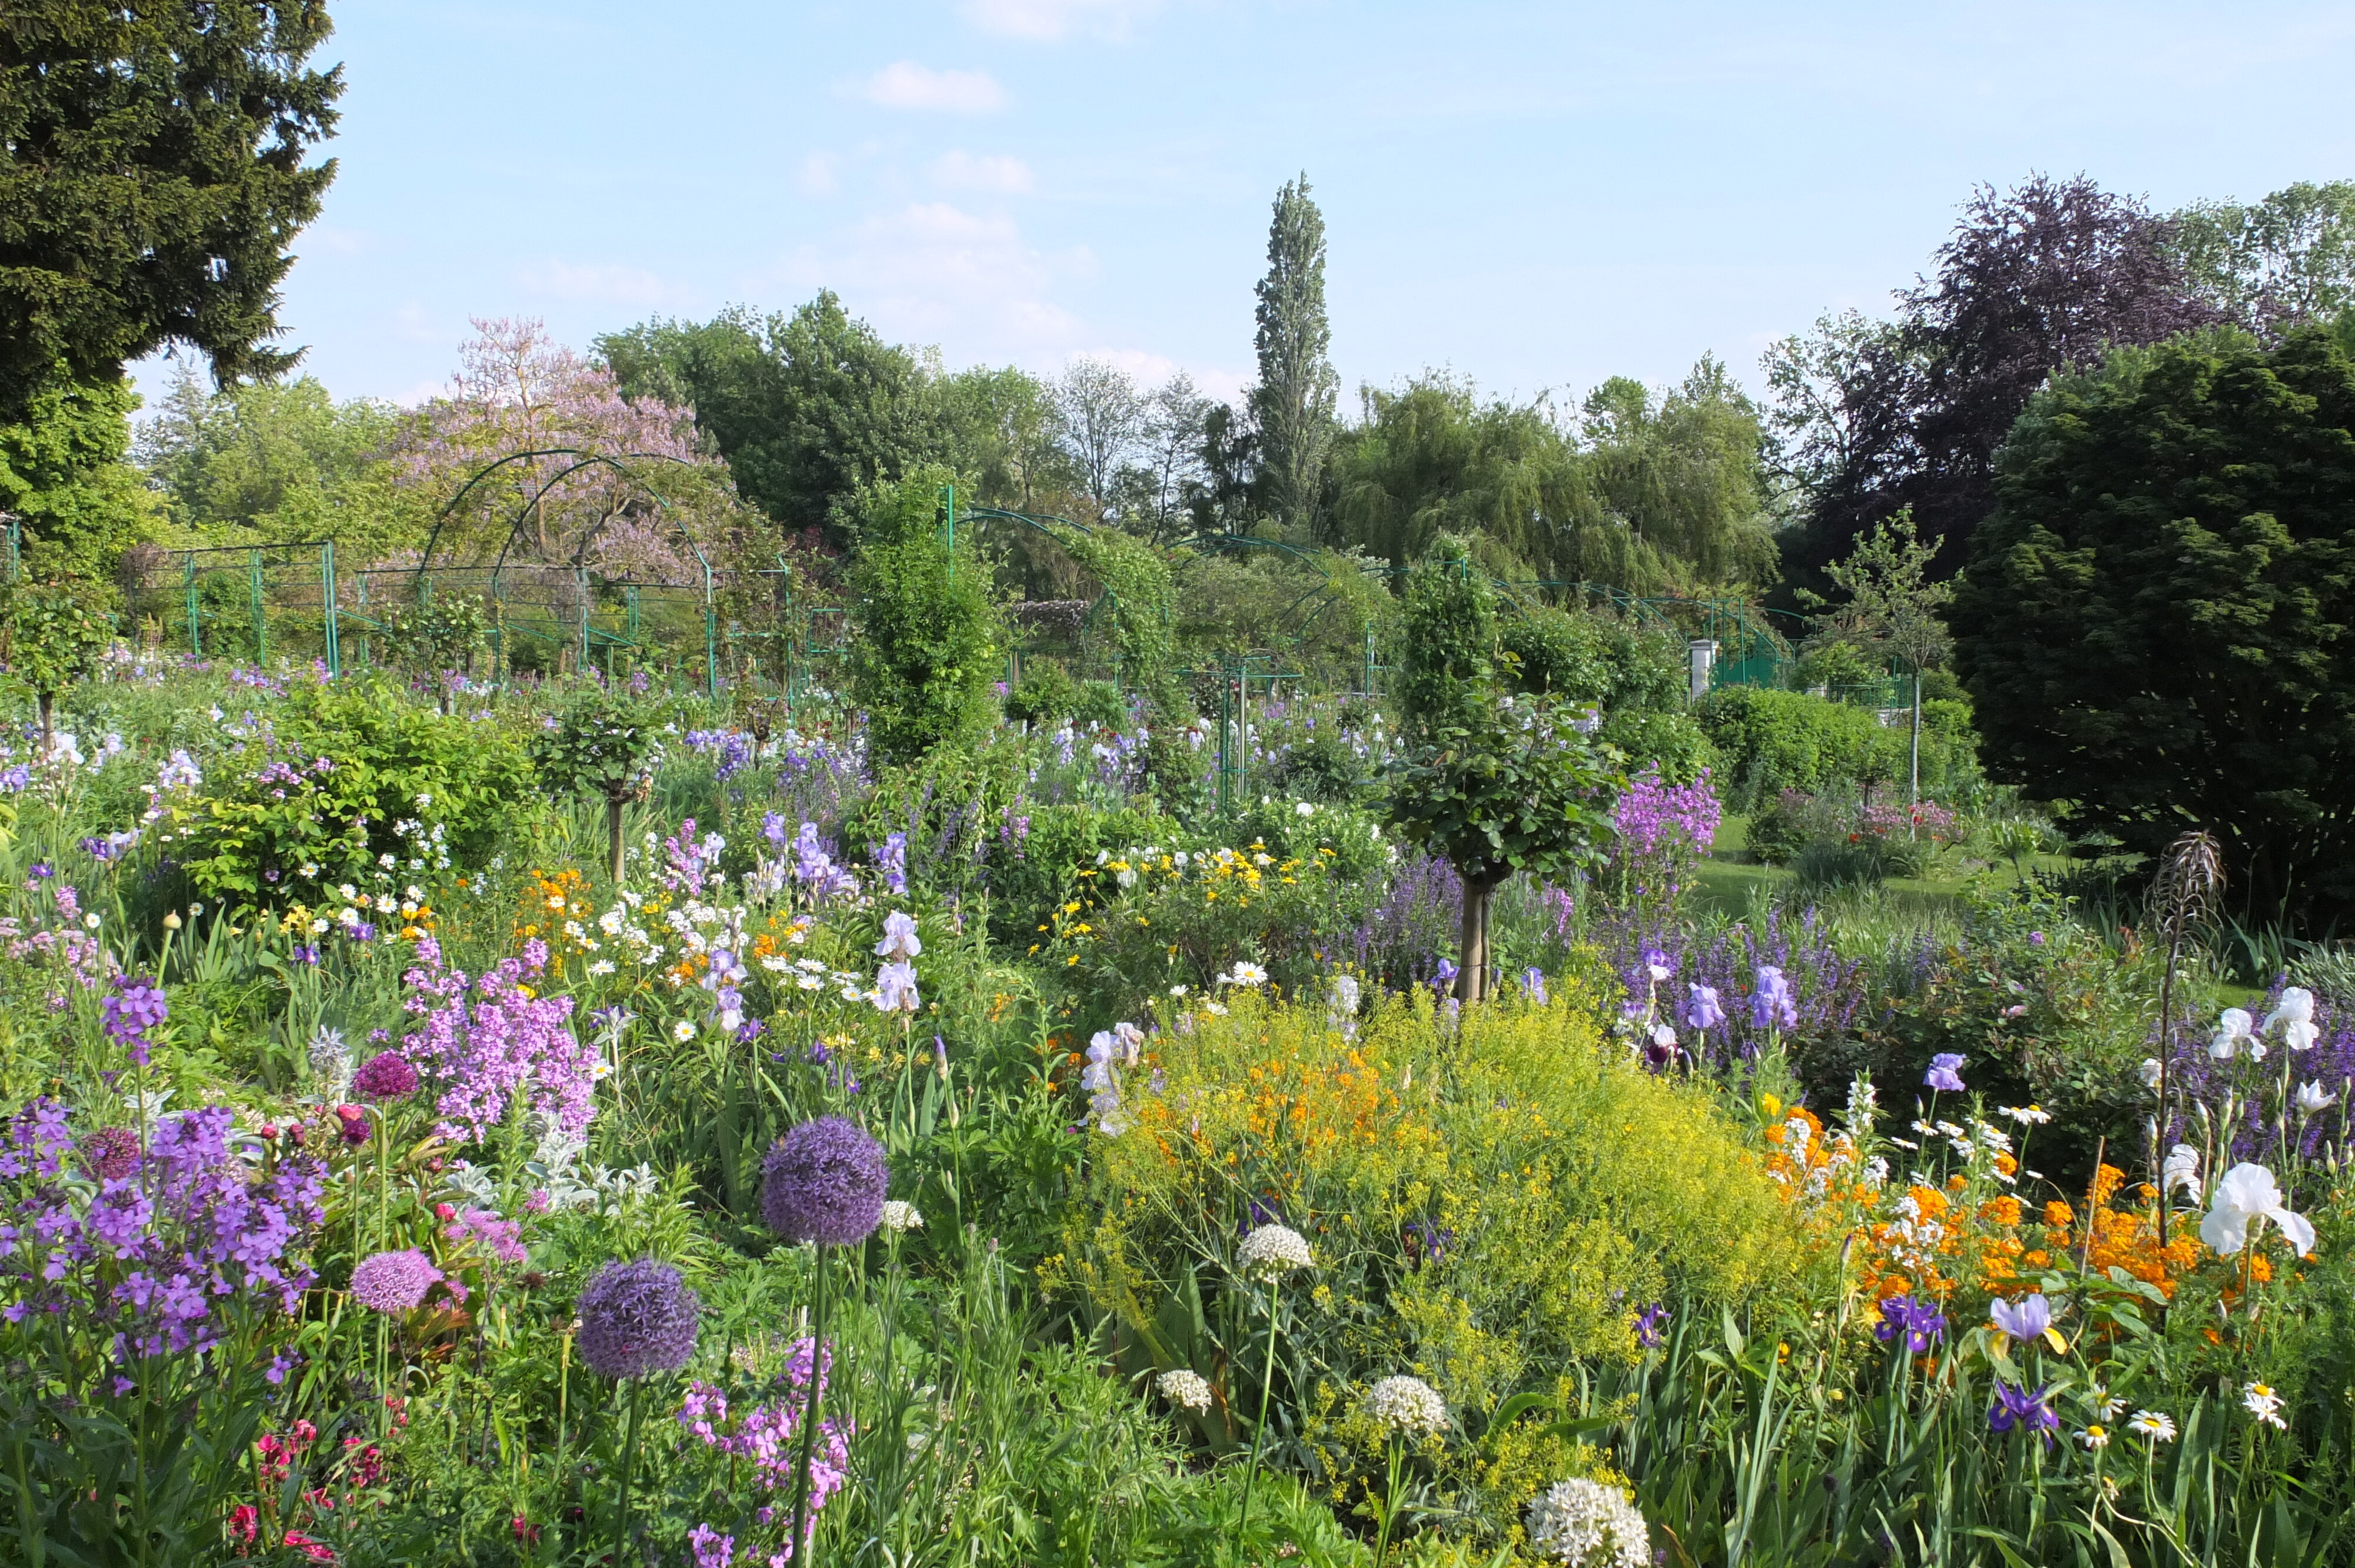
column 1769, row 741
column 1097, row 702
column 1045, row 695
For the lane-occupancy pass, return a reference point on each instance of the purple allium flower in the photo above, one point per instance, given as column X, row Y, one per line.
column 1945, row 1072
column 1920, row 1322
column 637, row 1318
column 387, row 1076
column 824, row 1181
column 2024, row 1408
column 112, row 1153
column 1771, row 1006
column 394, row 1281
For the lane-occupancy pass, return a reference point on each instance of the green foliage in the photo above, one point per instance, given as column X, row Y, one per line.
column 63, row 479
column 1684, row 475
column 443, row 633
column 52, row 635
column 280, row 461
column 2155, row 622
column 1292, row 405
column 1449, row 643
column 349, row 776
column 927, row 642
column 154, row 175
column 811, row 410
column 605, row 743
column 1045, row 695
column 1633, row 677
column 2290, row 256
column 1768, row 741
column 1514, row 788
column 1137, row 576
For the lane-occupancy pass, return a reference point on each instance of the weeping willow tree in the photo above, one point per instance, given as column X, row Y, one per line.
column 1643, row 495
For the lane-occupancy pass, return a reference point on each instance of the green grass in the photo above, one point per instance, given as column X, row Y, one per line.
column 1730, row 882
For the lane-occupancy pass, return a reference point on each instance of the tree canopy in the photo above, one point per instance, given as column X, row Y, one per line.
column 2155, row 625
column 154, row 177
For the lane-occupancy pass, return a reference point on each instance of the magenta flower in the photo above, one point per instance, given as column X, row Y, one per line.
column 394, row 1282
column 386, row 1077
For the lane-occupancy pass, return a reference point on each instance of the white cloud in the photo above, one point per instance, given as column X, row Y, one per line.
column 816, row 177
column 961, row 170
column 1050, row 20
column 633, row 286
column 931, row 273
column 907, row 85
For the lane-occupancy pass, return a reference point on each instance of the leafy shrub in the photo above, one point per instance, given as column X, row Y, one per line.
column 51, row 636
column 1045, row 695
column 1780, row 827
column 1097, row 704
column 926, row 643
column 351, row 784
column 1485, row 1204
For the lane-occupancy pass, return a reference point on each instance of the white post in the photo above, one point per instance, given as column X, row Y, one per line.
column 1700, row 654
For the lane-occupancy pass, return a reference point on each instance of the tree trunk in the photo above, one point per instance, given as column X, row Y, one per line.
column 614, row 836
column 48, row 725
column 1472, row 946
column 1916, row 792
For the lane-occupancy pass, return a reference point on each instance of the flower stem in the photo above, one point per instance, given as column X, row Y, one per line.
column 629, row 1468
column 810, row 1412
column 1259, row 1430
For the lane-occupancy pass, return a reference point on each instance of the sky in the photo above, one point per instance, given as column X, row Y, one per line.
column 1536, row 195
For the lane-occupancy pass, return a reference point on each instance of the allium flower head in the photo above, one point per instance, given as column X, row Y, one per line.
column 637, row 1318
column 394, row 1281
column 385, row 1075
column 824, row 1181
column 1589, row 1525
column 1271, row 1252
column 1407, row 1405
column 112, row 1153
column 1185, row 1389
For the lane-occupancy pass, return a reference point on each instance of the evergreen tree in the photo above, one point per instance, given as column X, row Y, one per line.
column 1294, row 397
column 154, row 177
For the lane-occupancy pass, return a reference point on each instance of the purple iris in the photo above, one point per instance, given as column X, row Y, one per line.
column 1772, row 1006
column 1701, row 1009
column 1920, row 1322
column 2023, row 1408
column 1944, row 1073
column 1648, row 1325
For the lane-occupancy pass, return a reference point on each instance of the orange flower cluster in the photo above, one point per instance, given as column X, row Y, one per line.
column 2117, row 1239
column 554, row 901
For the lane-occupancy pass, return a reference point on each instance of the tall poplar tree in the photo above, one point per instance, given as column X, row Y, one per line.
column 1294, row 401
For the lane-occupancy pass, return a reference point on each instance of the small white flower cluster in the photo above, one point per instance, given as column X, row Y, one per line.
column 1407, row 1405
column 1185, row 1389
column 1589, row 1525
column 899, row 1218
column 1271, row 1252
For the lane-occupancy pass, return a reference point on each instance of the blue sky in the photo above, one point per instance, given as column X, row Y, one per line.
column 1536, row 195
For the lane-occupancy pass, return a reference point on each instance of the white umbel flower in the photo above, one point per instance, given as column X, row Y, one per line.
column 1185, row 1389
column 1271, row 1252
column 1407, row 1405
column 899, row 1218
column 1589, row 1525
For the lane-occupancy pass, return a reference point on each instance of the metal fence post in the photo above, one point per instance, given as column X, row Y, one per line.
column 328, row 579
